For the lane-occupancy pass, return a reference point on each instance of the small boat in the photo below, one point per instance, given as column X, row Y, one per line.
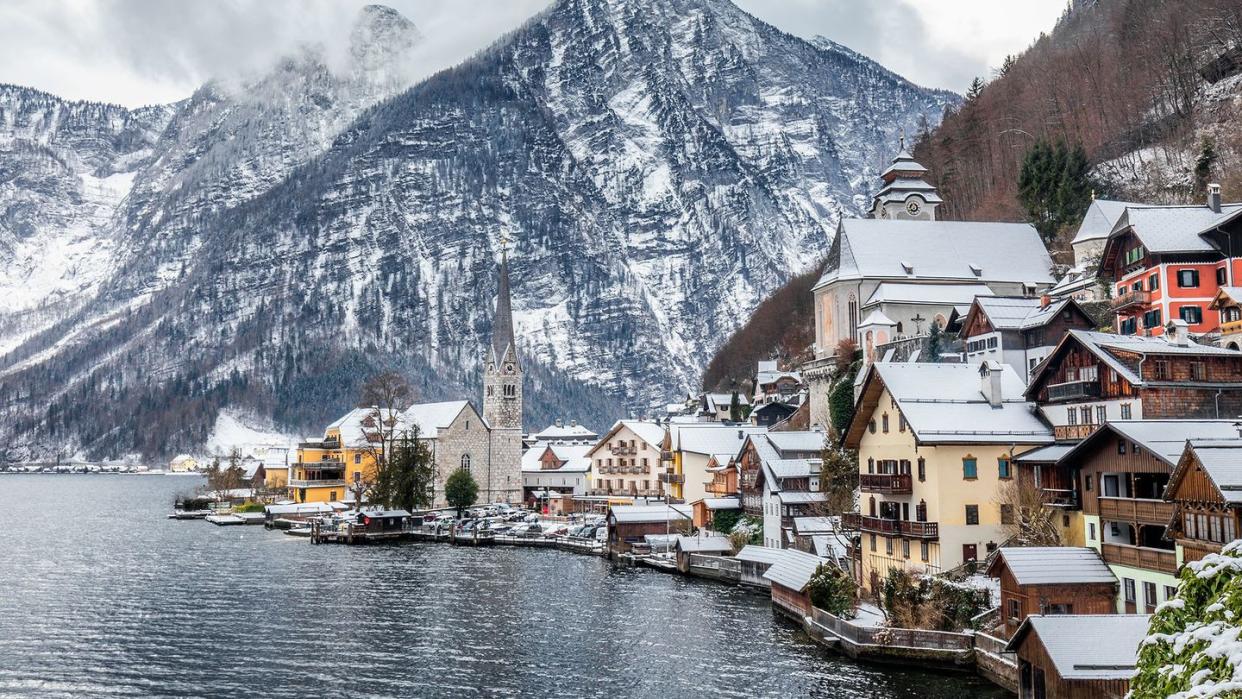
column 189, row 514
column 299, row 531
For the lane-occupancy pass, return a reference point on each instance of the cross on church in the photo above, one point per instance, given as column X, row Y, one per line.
column 918, row 323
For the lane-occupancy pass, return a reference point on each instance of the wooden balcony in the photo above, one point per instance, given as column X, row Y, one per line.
column 1141, row 557
column 672, row 478
column 1157, row 512
column 888, row 483
column 891, row 527
column 618, row 450
column 1231, row 328
column 1131, row 300
column 1072, row 432
column 1074, row 390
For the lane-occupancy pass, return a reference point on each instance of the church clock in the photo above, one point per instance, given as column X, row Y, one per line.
column 912, row 207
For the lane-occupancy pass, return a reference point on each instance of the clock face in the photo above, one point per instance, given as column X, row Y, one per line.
column 491, row 367
column 508, row 368
column 912, row 207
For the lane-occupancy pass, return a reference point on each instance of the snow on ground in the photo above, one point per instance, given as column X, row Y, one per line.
column 868, row 615
column 232, row 431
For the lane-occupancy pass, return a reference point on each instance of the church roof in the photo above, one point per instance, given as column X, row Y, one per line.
column 969, row 251
column 502, row 322
column 432, row 417
column 1100, row 218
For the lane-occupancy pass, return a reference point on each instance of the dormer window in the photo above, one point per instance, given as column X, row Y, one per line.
column 909, row 268
column 978, row 271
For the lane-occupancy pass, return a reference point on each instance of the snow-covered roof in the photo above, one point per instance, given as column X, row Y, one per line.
column 722, row 503
column 1166, row 439
column 638, row 514
column 572, row 431
column 710, row 544
column 432, row 417
column 1165, row 229
column 1018, row 312
column 300, row 508
column 926, row 293
column 1088, row 646
column 754, row 553
column 830, row 546
column 769, row 372
column 814, row 525
column 1222, row 460
column 711, row 438
column 723, row 401
column 793, row 468
column 945, row 404
column 796, row 440
column 876, row 317
column 1053, row 565
column 940, row 250
column 1100, row 218
column 1049, row 454
column 353, row 430
column 799, row 497
column 1099, row 344
column 794, row 569
column 573, row 457
column 650, row 432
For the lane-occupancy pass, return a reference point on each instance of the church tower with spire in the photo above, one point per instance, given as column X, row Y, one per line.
column 906, row 195
column 502, row 399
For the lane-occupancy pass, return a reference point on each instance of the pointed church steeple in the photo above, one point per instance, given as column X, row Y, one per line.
column 502, row 323
column 502, row 377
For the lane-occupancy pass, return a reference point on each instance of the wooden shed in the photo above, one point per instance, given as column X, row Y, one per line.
column 790, row 576
column 1052, row 580
column 1077, row 655
column 628, row 524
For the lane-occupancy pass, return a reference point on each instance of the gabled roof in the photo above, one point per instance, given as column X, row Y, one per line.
column 945, row 404
column 1045, row 455
column 565, row 432
column 1100, row 218
column 795, row 497
column 1164, row 229
column 1221, row 461
column 640, row 514
column 814, row 525
column 707, row 544
column 710, row 438
column 1088, row 646
column 432, row 417
column 573, row 458
column 1052, row 565
column 754, row 553
column 721, row 503
column 650, row 432
column 1019, row 312
column 1100, row 344
column 938, row 250
column 1164, row 439
column 796, row 440
column 794, row 569
column 926, row 293
column 353, row 430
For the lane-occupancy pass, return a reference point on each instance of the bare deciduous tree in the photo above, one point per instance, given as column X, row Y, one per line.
column 385, row 396
column 1027, row 515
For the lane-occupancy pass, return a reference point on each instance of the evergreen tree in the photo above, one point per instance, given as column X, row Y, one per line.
column 976, row 89
column 735, row 408
column 407, row 481
column 1054, row 186
column 841, row 399
column 1203, row 165
column 460, row 490
column 935, row 343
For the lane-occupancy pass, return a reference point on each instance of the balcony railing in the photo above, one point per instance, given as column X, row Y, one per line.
column 316, row 483
column 1139, row 510
column 1071, row 390
column 1131, row 299
column 1231, row 327
column 672, row 478
column 1072, row 432
column 321, row 444
column 1062, row 498
column 894, row 527
column 623, row 450
column 1141, row 557
column 893, row 483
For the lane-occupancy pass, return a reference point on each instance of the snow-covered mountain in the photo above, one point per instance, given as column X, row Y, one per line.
column 659, row 166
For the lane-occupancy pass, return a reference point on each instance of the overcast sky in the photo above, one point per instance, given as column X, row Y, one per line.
column 146, row 51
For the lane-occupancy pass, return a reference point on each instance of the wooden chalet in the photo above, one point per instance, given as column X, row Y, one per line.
column 1051, row 580
column 629, row 524
column 790, row 576
column 1019, row 330
column 1206, row 492
column 1091, row 378
column 1076, row 656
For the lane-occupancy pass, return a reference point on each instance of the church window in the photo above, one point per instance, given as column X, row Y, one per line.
column 465, row 462
column 491, row 391
column 510, row 390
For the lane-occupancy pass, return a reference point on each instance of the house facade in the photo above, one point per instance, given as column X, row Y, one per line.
column 691, row 449
column 935, row 444
column 1169, row 262
column 1206, row 492
column 627, row 462
column 1077, row 656
column 1051, row 580
column 555, row 468
column 1018, row 330
column 779, row 480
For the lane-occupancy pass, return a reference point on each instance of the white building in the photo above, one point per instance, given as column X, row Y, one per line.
column 1017, row 330
column 556, row 468
column 560, row 433
column 626, row 461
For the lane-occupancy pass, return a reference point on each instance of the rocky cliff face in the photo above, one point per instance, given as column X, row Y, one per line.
column 659, row 166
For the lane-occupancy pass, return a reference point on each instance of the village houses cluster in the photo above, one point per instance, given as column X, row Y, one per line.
column 1110, row 393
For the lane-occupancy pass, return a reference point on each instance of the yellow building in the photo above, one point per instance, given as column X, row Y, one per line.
column 327, row 469
column 935, row 443
column 689, row 448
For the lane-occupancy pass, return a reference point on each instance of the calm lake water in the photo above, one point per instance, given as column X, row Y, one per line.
column 101, row 595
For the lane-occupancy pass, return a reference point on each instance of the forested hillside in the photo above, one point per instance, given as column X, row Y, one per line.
column 1141, row 85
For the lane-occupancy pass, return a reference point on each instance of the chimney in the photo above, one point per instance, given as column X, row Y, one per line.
column 1213, row 199
column 1044, row 301
column 990, row 372
column 1177, row 332
column 559, row 423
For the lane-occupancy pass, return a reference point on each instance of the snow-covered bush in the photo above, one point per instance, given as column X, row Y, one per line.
column 1192, row 648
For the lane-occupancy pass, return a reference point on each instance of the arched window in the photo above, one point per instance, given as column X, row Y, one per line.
column 871, row 506
column 465, row 461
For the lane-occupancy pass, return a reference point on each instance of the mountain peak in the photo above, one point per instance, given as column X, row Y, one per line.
column 380, row 34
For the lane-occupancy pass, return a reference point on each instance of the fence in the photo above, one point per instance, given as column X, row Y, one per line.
column 884, row 636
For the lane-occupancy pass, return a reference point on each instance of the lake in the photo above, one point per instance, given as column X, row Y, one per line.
column 101, row 595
